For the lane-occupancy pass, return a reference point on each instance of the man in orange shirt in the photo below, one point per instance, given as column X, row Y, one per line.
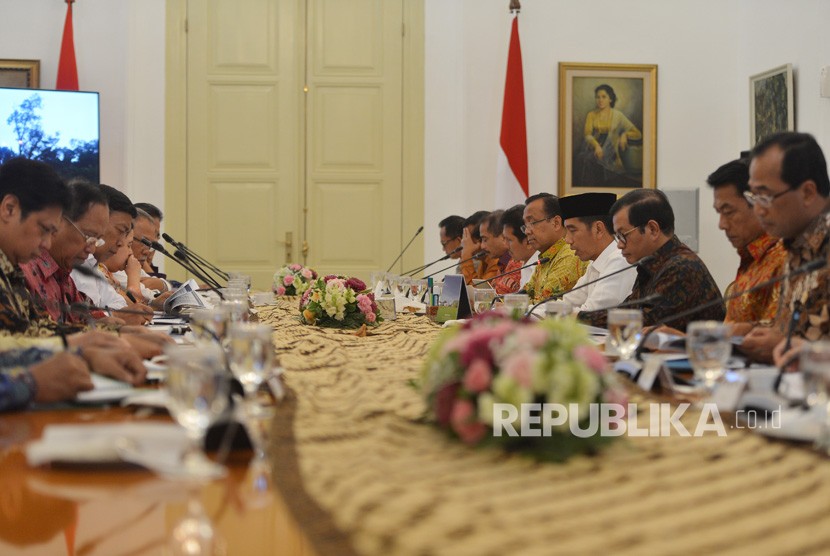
column 492, row 241
column 485, row 266
column 762, row 256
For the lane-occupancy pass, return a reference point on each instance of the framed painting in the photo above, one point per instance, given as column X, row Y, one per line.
column 22, row 74
column 607, row 127
column 771, row 105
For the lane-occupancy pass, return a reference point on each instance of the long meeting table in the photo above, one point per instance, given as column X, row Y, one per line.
column 357, row 470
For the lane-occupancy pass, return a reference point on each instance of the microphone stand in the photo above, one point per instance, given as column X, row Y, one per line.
column 645, row 259
column 191, row 255
column 421, row 229
column 528, row 265
column 810, row 267
column 183, row 257
column 478, row 255
column 160, row 248
column 425, row 266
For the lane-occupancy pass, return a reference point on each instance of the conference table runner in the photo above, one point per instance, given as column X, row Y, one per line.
column 364, row 474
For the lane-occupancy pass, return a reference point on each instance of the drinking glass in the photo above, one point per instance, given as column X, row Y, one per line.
column 516, row 304
column 251, row 355
column 197, row 385
column 398, row 285
column 263, row 298
column 239, row 278
column 709, row 346
column 815, row 367
column 482, row 299
column 236, row 303
column 405, row 286
column 557, row 308
column 375, row 278
column 210, row 325
column 625, row 327
column 418, row 288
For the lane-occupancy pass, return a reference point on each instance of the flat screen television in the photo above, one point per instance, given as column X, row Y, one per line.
column 60, row 128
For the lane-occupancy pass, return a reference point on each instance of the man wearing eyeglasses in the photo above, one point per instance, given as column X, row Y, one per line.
column 33, row 198
column 546, row 233
column 644, row 225
column 450, row 230
column 789, row 189
column 79, row 233
column 92, row 282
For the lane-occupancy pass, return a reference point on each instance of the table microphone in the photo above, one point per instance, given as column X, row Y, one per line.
column 421, row 229
column 646, row 259
column 179, row 254
column 806, row 268
column 543, row 260
column 160, row 248
column 478, row 255
column 193, row 255
column 425, row 266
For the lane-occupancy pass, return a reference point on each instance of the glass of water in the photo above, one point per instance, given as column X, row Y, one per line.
column 418, row 289
column 251, row 354
column 198, row 388
column 709, row 346
column 236, row 303
column 239, row 279
column 557, row 309
column 482, row 299
column 516, row 304
column 210, row 325
column 815, row 367
column 625, row 328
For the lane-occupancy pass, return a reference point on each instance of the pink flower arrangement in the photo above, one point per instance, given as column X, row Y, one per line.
column 293, row 279
column 340, row 302
column 492, row 359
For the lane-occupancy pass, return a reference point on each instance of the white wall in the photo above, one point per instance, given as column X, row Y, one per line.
column 119, row 47
column 705, row 50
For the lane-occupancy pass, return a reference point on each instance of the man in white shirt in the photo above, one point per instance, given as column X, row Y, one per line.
column 90, row 280
column 590, row 234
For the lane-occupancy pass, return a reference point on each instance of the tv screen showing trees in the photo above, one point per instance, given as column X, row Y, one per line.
column 59, row 128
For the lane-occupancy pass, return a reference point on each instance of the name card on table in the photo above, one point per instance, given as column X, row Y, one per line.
column 453, row 302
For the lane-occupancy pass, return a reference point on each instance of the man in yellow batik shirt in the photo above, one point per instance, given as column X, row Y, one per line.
column 559, row 268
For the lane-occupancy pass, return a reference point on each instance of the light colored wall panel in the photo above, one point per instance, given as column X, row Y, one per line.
column 242, row 130
column 349, row 126
column 356, row 243
column 242, row 36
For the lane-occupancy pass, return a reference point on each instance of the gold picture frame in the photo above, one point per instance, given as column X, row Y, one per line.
column 619, row 153
column 20, row 74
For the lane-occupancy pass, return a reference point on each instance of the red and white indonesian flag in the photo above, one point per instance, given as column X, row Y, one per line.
column 67, row 79
column 511, row 177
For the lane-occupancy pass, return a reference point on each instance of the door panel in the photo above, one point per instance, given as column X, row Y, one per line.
column 294, row 127
column 244, row 106
column 354, row 135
